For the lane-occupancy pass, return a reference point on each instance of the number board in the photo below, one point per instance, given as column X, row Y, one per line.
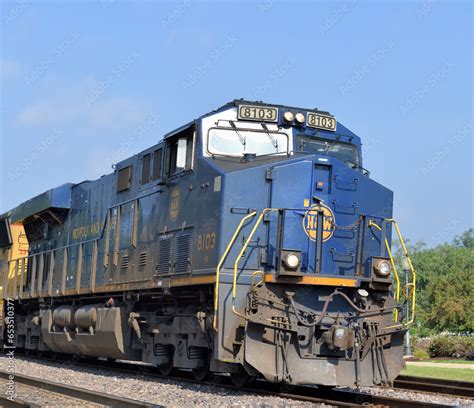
column 260, row 113
column 318, row 121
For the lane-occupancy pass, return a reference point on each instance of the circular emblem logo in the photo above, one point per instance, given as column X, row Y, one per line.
column 310, row 222
column 174, row 204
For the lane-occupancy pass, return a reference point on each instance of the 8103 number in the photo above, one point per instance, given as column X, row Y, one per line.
column 321, row 122
column 248, row 112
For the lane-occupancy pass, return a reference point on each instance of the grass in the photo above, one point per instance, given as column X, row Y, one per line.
column 456, row 374
column 450, row 361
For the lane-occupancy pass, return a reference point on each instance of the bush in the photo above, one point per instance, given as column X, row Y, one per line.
column 421, row 354
column 421, row 346
column 452, row 346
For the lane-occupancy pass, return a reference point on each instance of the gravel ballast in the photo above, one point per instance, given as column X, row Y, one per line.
column 162, row 391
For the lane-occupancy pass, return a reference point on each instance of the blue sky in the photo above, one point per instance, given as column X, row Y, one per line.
column 85, row 84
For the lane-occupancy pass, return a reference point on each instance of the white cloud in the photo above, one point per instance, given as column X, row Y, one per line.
column 68, row 104
column 10, row 69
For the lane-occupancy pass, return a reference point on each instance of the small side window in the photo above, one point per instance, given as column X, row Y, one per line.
column 146, row 168
column 181, row 151
column 124, row 179
column 157, row 158
column 5, row 234
column 179, row 155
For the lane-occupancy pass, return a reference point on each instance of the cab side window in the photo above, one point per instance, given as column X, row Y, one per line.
column 180, row 152
column 157, row 159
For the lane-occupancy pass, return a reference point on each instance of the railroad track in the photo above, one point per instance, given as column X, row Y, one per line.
column 34, row 392
column 335, row 397
column 435, row 386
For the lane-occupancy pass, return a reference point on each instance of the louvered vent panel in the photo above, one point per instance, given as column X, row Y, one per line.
column 142, row 258
column 124, row 262
column 183, row 243
column 164, row 255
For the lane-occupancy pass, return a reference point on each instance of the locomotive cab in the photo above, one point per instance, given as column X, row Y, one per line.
column 311, row 281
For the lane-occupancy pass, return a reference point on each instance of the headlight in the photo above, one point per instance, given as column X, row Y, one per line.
column 339, row 332
column 288, row 116
column 292, row 261
column 363, row 293
column 339, row 337
column 383, row 268
column 299, row 117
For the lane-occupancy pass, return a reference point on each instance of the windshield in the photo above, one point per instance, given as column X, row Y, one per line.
column 345, row 152
column 237, row 142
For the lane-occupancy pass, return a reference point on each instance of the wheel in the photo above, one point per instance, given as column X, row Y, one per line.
column 240, row 378
column 202, row 373
column 166, row 369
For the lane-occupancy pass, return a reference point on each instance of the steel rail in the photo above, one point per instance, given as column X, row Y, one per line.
column 6, row 402
column 76, row 392
column 435, row 386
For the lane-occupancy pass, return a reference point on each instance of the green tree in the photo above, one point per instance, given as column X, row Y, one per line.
column 445, row 284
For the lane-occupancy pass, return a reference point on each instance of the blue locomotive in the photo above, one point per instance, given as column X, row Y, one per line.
column 250, row 241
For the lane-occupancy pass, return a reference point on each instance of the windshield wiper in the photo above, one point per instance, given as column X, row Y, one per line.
column 241, row 138
column 272, row 139
column 358, row 166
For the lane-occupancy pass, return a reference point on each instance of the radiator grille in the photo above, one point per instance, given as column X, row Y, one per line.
column 164, row 256
column 183, row 244
column 142, row 258
column 124, row 262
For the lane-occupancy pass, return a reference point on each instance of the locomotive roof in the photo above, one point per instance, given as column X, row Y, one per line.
column 341, row 130
column 24, row 209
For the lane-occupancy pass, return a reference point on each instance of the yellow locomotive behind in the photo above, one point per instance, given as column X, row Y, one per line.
column 17, row 249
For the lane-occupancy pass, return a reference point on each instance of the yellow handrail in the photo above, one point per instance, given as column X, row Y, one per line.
column 236, row 264
column 412, row 270
column 260, row 282
column 221, row 262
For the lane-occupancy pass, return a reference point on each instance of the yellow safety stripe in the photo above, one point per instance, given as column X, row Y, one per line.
column 313, row 280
